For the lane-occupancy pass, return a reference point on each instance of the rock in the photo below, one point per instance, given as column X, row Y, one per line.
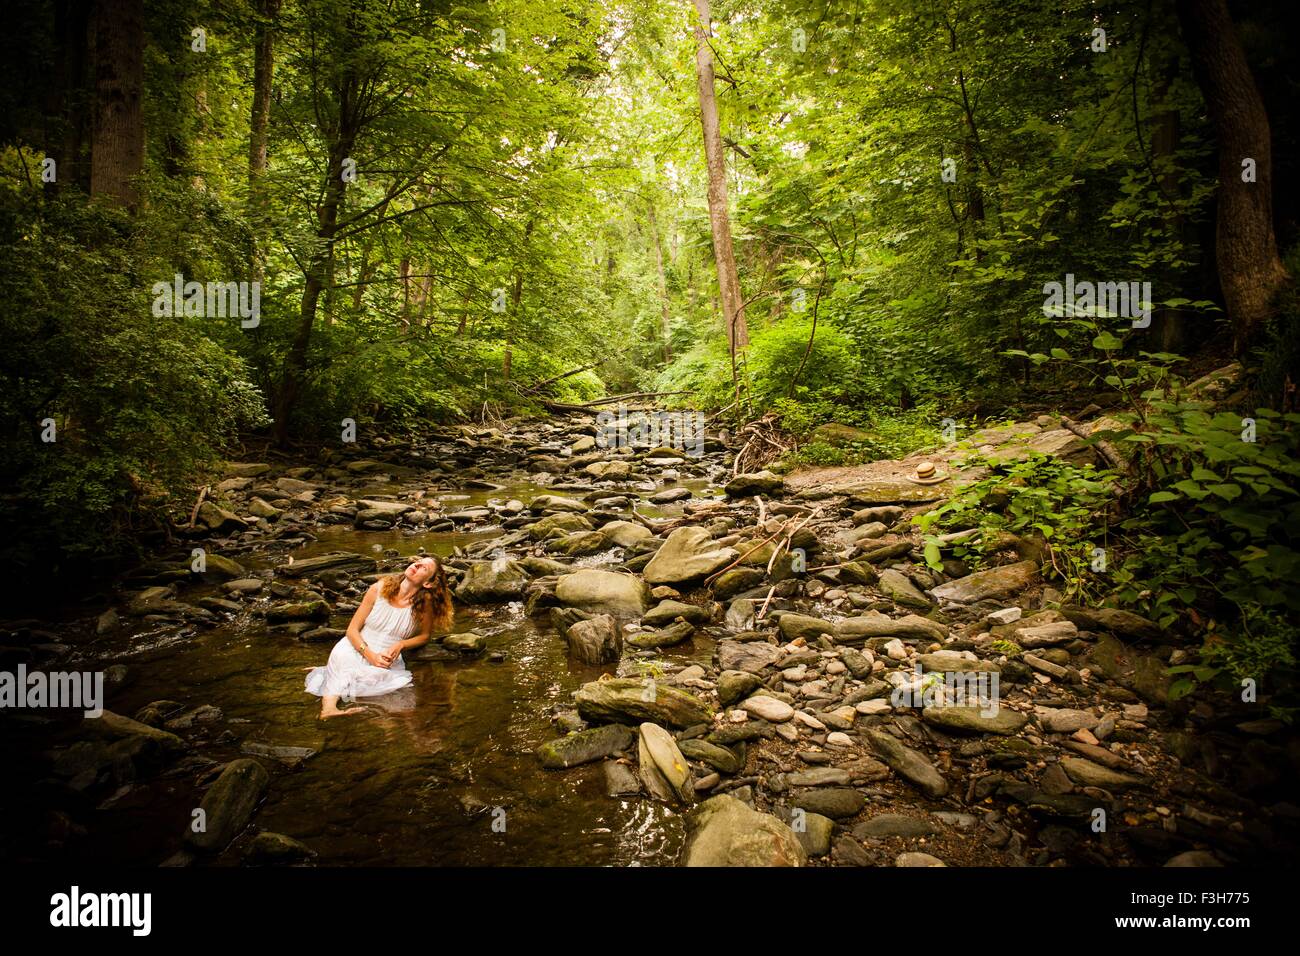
column 976, row 720
column 668, row 611
column 626, row 534
column 734, row 685
column 754, row 483
column 1065, row 720
column 686, row 555
column 918, row 859
column 487, row 582
column 579, row 544
column 1088, row 774
column 585, row 746
column 730, row 583
column 244, row 586
column 660, row 746
column 1007, row 615
column 834, row 802
column 750, row 656
column 1115, row 621
column 900, row 588
column 890, row 491
column 216, row 567
column 951, row 662
column 292, row 757
column 719, row 758
column 218, row 520
column 276, row 849
column 391, row 508
column 819, row 777
column 893, row 825
column 768, row 708
column 886, row 514
column 261, row 508
column 334, row 560
column 467, row 643
column 299, row 611
column 875, row 624
column 597, row 640
column 794, row 626
column 723, row 831
column 1045, row 635
column 666, row 637
column 603, row 592
column 814, row 833
column 566, row 523
column 555, row 503
column 989, row 585
column 229, row 804
column 630, row 700
column 849, row 852
column 116, row 726
column 909, row 764
column 1143, row 673
column 107, row 623
column 620, row 781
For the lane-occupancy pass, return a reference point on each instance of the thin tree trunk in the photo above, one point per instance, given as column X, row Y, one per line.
column 117, row 136
column 719, row 221
column 1250, row 270
column 665, row 313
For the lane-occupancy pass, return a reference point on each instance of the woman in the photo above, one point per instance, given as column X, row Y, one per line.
column 398, row 613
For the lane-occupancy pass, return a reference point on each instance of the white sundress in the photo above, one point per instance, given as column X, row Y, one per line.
column 348, row 675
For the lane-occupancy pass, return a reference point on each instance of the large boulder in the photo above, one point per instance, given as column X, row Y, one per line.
column 632, row 700
column 687, row 555
column 723, row 831
column 603, row 592
column 228, row 805
column 487, row 581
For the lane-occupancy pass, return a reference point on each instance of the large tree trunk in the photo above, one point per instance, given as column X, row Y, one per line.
column 67, row 95
column 719, row 221
column 117, row 134
column 1250, row 270
column 665, row 315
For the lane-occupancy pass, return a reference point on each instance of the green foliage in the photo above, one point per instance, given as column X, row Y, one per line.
column 1066, row 507
column 139, row 403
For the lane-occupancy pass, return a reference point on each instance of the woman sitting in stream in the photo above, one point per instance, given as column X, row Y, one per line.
column 399, row 612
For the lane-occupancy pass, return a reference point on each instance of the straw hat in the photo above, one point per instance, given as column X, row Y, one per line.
column 926, row 475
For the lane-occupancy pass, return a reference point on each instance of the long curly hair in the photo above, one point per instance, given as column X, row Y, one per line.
column 435, row 594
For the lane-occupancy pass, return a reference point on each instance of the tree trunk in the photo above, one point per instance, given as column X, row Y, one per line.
column 719, row 221
column 263, row 71
column 665, row 313
column 117, row 134
column 1250, row 270
column 259, row 124
column 318, row 272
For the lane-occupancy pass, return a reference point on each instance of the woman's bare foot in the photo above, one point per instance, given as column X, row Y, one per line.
column 335, row 712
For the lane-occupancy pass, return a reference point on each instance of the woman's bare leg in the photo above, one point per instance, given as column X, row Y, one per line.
column 329, row 707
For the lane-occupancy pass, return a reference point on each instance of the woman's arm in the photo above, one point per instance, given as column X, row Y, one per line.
column 419, row 640
column 358, row 621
